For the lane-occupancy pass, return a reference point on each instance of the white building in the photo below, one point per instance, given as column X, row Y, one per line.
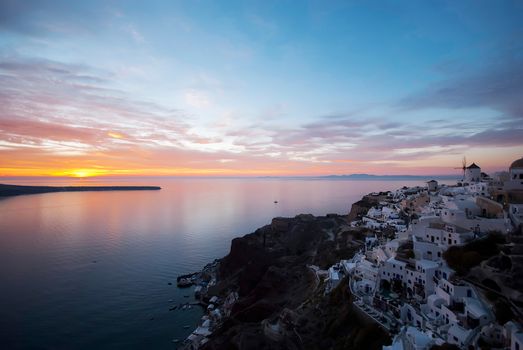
column 514, row 335
column 432, row 185
column 393, row 269
column 433, row 230
column 334, row 277
column 515, row 181
column 366, row 270
column 472, row 173
column 411, row 338
column 515, row 213
column 478, row 188
column 426, row 250
column 372, row 223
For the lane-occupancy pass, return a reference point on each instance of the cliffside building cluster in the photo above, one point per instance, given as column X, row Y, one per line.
column 401, row 279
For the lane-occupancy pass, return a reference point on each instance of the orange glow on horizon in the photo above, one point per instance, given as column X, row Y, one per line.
column 146, row 162
column 89, row 173
column 84, row 173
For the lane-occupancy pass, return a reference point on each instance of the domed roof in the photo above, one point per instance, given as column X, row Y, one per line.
column 517, row 164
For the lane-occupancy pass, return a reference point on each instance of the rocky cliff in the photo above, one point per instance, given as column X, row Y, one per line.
column 362, row 206
column 281, row 302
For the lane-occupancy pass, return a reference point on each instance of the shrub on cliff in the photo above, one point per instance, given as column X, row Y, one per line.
column 463, row 258
column 346, row 328
column 503, row 312
column 341, row 294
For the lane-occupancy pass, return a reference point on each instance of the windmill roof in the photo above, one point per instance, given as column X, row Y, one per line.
column 473, row 166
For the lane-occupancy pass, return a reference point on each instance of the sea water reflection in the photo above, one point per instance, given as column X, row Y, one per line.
column 91, row 269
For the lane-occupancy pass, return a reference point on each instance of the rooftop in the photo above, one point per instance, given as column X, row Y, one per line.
column 437, row 225
column 517, row 164
column 473, row 166
column 475, row 308
column 427, row 264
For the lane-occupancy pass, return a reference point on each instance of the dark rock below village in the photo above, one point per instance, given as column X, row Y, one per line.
column 269, row 270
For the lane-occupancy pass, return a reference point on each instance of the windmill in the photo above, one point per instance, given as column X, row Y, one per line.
column 463, row 166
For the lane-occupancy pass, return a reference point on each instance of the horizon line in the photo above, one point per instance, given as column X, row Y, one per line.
column 227, row 176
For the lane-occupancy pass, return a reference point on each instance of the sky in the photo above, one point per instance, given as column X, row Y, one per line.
column 248, row 88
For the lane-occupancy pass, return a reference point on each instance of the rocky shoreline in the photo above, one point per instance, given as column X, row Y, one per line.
column 268, row 292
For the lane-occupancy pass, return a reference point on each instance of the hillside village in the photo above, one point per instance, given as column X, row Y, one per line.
column 432, row 267
column 444, row 265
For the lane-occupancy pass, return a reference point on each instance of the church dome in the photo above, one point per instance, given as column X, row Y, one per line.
column 517, row 164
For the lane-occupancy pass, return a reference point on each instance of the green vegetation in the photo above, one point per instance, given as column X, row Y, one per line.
column 503, row 311
column 346, row 328
column 465, row 257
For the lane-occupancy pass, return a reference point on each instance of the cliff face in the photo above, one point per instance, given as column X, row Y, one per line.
column 280, row 305
column 362, row 206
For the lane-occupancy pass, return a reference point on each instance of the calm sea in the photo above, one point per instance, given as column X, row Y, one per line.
column 90, row 270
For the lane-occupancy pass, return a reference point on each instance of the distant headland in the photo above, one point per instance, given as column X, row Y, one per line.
column 16, row 190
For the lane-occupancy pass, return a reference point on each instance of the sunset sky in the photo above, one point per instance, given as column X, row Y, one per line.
column 259, row 87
